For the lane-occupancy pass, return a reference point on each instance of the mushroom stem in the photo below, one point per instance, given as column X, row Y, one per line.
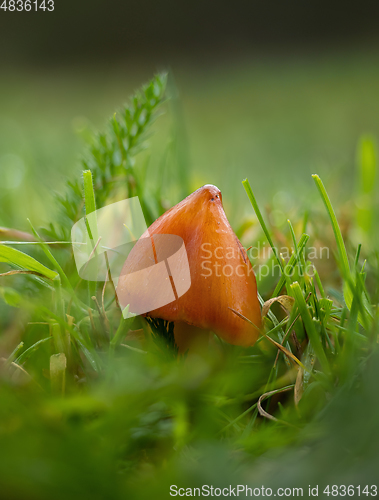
column 189, row 337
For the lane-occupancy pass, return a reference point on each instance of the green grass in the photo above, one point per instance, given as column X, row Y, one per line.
column 87, row 411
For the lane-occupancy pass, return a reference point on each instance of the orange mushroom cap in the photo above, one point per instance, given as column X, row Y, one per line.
column 222, row 277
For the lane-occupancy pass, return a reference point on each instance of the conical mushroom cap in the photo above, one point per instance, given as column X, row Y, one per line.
column 221, row 275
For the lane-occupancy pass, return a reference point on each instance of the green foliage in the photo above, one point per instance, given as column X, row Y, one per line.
column 162, row 332
column 343, row 260
column 112, row 156
column 367, row 174
column 23, row 261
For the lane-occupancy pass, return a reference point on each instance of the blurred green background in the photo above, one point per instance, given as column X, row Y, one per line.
column 274, row 120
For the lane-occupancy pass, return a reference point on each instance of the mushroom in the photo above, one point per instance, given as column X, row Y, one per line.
column 221, row 276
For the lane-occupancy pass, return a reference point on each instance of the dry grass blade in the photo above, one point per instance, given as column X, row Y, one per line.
column 10, row 273
column 264, row 413
column 135, row 349
column 243, row 317
column 14, row 234
column 299, row 387
column 103, row 291
column 285, row 301
column 111, row 282
column 16, row 372
column 276, row 344
column 92, row 253
column 285, row 351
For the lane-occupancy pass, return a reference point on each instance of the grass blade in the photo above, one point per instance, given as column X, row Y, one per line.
column 310, row 327
column 58, row 365
column 90, row 206
column 254, row 203
column 12, row 256
column 344, row 261
column 291, row 263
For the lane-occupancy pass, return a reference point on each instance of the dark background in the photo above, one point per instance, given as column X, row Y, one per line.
column 105, row 31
